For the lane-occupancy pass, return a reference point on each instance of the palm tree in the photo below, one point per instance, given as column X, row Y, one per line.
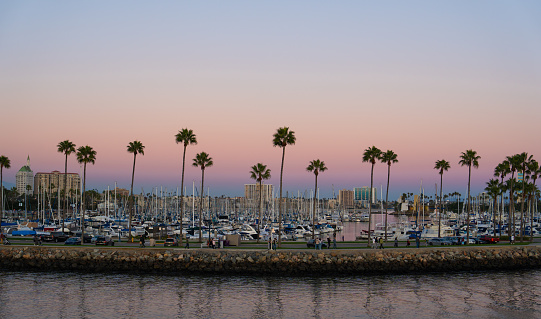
column 469, row 158
column 186, row 137
column 501, row 171
column 85, row 155
column 202, row 160
column 524, row 159
column 135, row 147
column 259, row 173
column 4, row 162
column 493, row 189
column 282, row 138
column 371, row 155
column 515, row 164
column 66, row 147
column 442, row 165
column 388, row 158
column 534, row 171
column 317, row 167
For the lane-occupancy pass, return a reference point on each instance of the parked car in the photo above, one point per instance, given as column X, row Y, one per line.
column 486, row 239
column 455, row 240
column 169, row 242
column 86, row 239
column 73, row 241
column 439, row 242
column 312, row 244
column 56, row 236
column 104, row 240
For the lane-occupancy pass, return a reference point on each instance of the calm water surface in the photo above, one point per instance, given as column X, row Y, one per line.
column 456, row 295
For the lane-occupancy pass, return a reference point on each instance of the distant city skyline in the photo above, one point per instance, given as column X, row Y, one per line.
column 428, row 80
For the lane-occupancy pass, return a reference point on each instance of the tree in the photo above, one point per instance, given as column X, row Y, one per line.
column 469, row 158
column 493, row 189
column 4, row 162
column 202, row 160
column 501, row 171
column 85, row 155
column 371, row 155
column 66, row 147
column 186, row 137
column 441, row 165
column 282, row 138
column 135, row 147
column 524, row 159
column 317, row 167
column 388, row 158
column 259, row 173
column 515, row 163
column 535, row 171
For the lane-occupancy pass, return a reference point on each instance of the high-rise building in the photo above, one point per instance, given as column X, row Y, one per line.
column 54, row 182
column 363, row 194
column 24, row 178
column 251, row 192
column 345, row 198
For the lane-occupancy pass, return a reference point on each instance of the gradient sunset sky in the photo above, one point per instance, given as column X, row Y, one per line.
column 426, row 79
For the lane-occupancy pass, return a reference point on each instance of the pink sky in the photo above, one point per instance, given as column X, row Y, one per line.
column 426, row 81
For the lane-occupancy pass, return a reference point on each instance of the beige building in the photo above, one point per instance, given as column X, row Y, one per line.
column 55, row 180
column 24, row 178
column 251, row 192
column 345, row 198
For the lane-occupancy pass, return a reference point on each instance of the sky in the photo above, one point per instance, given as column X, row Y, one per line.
column 426, row 79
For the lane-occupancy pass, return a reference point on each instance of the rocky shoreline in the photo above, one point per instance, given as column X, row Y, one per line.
column 263, row 262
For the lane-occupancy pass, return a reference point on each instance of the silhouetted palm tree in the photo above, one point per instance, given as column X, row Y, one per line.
column 66, row 147
column 371, row 155
column 388, row 158
column 441, row 165
column 135, row 147
column 85, row 155
column 317, row 167
column 260, row 172
column 515, row 163
column 282, row 138
column 493, row 190
column 186, row 137
column 535, row 171
column 202, row 160
column 469, row 158
column 4, row 163
column 501, row 171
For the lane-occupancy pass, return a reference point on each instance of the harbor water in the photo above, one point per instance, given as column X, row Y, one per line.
column 508, row 294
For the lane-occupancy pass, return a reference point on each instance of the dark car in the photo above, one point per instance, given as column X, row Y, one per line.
column 73, row 241
column 104, row 240
column 486, row 239
column 312, row 243
column 56, row 236
column 87, row 238
column 169, row 242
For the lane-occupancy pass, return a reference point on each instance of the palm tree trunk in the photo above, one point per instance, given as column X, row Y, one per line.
column 182, row 196
column 260, row 209
column 501, row 210
column 83, row 206
column 370, row 204
column 522, row 207
column 468, row 208
column 511, row 208
column 65, row 191
column 280, row 203
column 2, row 195
column 131, row 197
column 439, row 209
column 387, row 198
column 314, row 213
column 201, row 206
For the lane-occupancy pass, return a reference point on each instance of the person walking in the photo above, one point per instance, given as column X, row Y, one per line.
column 334, row 242
column 417, row 241
column 316, row 243
column 142, row 241
column 381, row 243
column 408, row 242
column 396, row 242
column 329, row 242
column 187, row 244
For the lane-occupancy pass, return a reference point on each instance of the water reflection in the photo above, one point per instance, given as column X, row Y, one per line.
column 454, row 295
